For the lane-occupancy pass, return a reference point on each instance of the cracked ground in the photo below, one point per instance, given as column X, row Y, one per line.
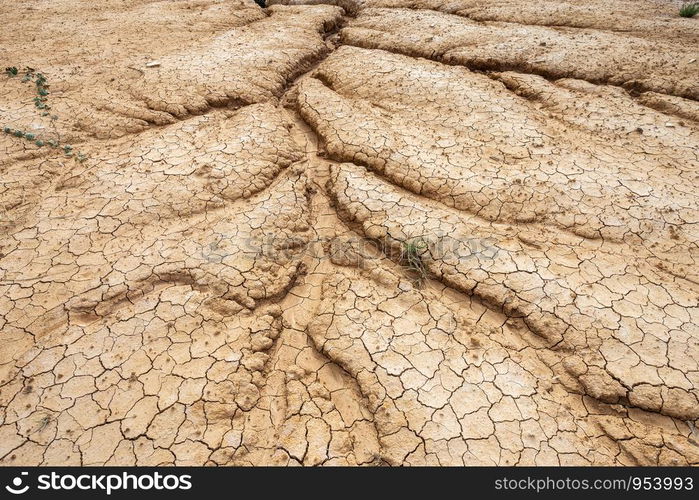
column 359, row 232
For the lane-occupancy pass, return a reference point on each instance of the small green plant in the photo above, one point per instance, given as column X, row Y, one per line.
column 40, row 102
column 67, row 148
column 411, row 258
column 689, row 9
column 43, row 423
column 42, row 86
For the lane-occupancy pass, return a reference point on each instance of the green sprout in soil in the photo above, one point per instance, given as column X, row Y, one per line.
column 30, row 75
column 40, row 102
column 43, row 423
column 689, row 9
column 411, row 258
column 28, row 136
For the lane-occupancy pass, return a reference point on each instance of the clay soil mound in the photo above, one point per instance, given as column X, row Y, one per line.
column 357, row 232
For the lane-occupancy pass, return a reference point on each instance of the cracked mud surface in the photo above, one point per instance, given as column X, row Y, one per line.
column 224, row 279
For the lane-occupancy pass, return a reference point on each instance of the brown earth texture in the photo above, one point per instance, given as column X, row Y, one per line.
column 361, row 232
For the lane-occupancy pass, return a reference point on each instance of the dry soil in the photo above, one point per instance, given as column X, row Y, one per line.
column 358, row 232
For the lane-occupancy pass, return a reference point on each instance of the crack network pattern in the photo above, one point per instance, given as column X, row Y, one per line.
column 223, row 279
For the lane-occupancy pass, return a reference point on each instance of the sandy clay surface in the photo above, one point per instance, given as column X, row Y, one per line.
column 359, row 232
